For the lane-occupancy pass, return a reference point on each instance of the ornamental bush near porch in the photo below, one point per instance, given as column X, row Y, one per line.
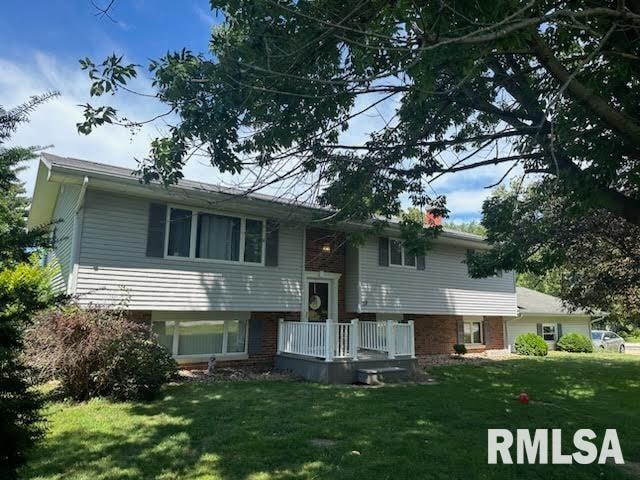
column 531, row 344
column 98, row 352
column 575, row 342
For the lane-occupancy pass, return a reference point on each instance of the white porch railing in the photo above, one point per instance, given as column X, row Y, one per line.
column 331, row 340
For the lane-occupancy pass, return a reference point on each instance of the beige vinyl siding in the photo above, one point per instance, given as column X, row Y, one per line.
column 527, row 324
column 444, row 287
column 114, row 267
column 64, row 215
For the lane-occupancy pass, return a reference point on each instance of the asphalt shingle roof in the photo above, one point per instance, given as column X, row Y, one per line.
column 530, row 301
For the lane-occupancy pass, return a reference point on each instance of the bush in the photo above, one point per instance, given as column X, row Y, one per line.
column 531, row 344
column 575, row 342
column 98, row 352
column 460, row 348
column 24, row 289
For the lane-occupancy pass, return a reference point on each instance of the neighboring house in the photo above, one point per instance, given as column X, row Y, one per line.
column 231, row 275
column 545, row 315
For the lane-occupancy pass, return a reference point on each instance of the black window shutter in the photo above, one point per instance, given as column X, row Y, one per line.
column 460, row 329
column 539, row 329
column 559, row 331
column 420, row 261
column 383, row 251
column 156, row 229
column 272, row 246
column 256, row 328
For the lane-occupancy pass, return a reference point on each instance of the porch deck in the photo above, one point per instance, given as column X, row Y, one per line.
column 330, row 352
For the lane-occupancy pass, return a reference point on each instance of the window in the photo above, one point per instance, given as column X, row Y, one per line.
column 211, row 236
column 218, row 237
column 472, row 332
column 398, row 255
column 395, row 252
column 253, row 241
column 549, row 332
column 202, row 337
column 596, row 335
column 179, row 233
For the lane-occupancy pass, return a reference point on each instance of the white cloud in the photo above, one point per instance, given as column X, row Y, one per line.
column 54, row 123
column 464, row 202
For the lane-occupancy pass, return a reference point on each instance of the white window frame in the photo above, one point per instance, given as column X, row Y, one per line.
column 555, row 331
column 194, row 236
column 481, row 324
column 403, row 254
column 205, row 356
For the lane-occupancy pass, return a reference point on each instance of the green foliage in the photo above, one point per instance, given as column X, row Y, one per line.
column 549, row 282
column 460, row 348
column 285, row 80
column 589, row 259
column 530, row 344
column 575, row 342
column 134, row 369
column 468, row 227
column 24, row 289
column 98, row 352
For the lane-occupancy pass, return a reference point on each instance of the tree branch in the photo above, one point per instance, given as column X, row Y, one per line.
column 620, row 122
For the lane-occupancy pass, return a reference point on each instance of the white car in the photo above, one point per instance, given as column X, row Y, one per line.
column 607, row 340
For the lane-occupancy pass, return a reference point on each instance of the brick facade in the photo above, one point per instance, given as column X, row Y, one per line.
column 494, row 333
column 316, row 260
column 434, row 334
column 437, row 334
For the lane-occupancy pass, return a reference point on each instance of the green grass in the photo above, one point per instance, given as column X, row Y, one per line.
column 265, row 430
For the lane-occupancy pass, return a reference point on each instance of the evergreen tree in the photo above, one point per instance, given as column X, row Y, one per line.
column 24, row 289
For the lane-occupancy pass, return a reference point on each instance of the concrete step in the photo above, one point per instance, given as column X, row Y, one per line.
column 375, row 376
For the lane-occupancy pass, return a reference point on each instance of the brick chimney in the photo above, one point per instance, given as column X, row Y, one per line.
column 431, row 220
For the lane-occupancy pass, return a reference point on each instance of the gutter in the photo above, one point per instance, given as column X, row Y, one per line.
column 78, row 218
column 101, row 180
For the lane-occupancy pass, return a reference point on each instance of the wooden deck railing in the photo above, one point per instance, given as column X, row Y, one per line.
column 331, row 340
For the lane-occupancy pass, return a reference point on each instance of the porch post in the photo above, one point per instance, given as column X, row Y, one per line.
column 391, row 339
column 330, row 340
column 354, row 338
column 412, row 339
column 280, row 332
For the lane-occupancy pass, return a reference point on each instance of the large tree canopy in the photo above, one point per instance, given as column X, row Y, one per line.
column 551, row 87
column 591, row 260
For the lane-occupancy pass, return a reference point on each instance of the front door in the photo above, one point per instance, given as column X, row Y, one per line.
column 319, row 298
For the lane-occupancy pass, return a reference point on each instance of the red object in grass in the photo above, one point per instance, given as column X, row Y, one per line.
column 523, row 398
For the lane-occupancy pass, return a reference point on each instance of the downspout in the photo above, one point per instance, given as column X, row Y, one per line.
column 75, row 238
column 303, row 276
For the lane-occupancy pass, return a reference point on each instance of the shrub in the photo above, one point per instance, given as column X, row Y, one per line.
column 575, row 342
column 531, row 344
column 98, row 352
column 24, row 289
column 460, row 348
column 135, row 368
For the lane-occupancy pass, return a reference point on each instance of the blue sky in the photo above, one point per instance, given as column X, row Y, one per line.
column 39, row 50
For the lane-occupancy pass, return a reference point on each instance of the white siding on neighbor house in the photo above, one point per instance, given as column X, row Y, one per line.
column 528, row 324
column 444, row 287
column 60, row 256
column 114, row 267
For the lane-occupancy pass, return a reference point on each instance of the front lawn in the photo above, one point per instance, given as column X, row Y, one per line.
column 293, row 430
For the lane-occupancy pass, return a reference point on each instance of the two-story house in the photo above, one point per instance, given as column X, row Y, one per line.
column 255, row 280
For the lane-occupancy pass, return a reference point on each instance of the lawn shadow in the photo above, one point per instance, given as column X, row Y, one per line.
column 293, row 430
